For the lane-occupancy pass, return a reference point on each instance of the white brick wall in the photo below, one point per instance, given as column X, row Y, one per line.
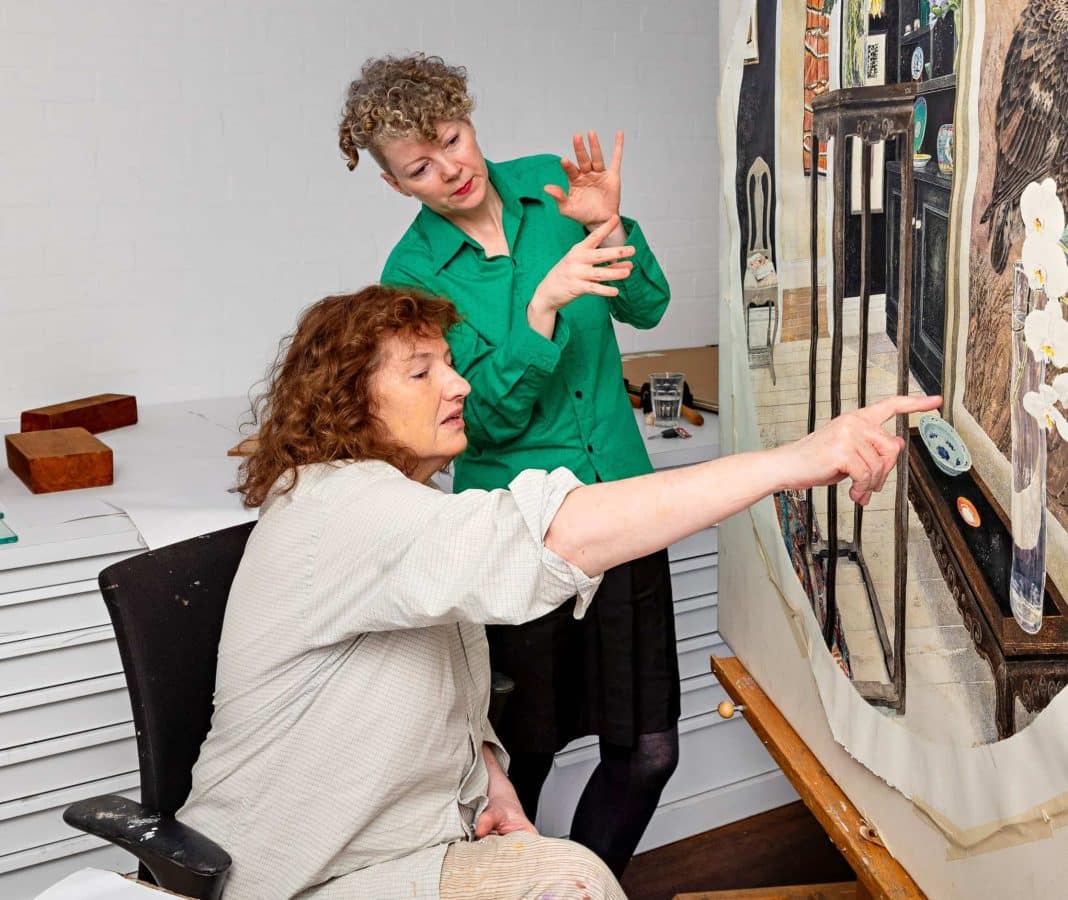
column 171, row 193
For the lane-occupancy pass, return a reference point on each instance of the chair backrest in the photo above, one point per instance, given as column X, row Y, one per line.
column 167, row 608
column 758, row 188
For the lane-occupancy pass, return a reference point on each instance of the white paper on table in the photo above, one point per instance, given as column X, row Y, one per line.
column 36, row 510
column 163, row 525
column 96, row 884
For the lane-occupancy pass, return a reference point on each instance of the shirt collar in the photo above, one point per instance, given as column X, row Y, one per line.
column 445, row 239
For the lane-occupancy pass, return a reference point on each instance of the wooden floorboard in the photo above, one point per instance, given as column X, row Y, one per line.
column 781, row 846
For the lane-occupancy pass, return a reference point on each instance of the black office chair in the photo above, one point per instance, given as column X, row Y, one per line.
column 167, row 609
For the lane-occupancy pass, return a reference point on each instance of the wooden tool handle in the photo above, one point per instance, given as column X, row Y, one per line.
column 692, row 416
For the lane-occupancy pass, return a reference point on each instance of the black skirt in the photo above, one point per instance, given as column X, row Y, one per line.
column 613, row 673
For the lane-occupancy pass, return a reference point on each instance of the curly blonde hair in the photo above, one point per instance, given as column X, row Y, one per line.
column 397, row 97
column 319, row 405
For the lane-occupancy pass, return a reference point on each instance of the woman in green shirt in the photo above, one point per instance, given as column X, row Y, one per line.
column 538, row 262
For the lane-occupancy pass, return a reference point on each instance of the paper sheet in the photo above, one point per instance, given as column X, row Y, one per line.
column 96, row 884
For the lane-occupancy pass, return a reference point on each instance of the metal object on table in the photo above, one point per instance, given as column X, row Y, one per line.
column 871, row 114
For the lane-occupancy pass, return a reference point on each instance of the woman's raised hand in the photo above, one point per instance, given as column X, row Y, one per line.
column 593, row 188
column 583, row 270
column 853, row 446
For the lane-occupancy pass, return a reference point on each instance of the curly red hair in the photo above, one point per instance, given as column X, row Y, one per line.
column 318, row 405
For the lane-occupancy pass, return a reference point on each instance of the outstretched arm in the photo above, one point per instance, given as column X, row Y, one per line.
column 602, row 525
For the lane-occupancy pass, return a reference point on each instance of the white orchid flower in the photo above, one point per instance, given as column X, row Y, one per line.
column 1060, row 385
column 1046, row 265
column 1046, row 334
column 1041, row 210
column 1042, row 404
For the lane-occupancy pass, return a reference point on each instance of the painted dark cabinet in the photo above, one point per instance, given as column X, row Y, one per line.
column 930, row 250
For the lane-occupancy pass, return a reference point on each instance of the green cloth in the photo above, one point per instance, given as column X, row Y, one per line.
column 534, row 403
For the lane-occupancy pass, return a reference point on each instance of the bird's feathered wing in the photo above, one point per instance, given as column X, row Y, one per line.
column 1032, row 117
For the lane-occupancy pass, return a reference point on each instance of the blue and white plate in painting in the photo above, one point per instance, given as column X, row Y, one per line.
column 916, row 64
column 919, row 123
column 946, row 447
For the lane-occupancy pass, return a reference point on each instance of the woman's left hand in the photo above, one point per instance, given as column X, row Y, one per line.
column 593, row 189
column 503, row 815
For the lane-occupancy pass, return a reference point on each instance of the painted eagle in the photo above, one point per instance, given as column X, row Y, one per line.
column 1032, row 118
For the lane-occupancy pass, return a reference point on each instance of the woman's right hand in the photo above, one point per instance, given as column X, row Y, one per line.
column 582, row 270
column 852, row 446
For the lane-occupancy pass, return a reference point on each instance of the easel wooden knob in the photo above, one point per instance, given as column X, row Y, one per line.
column 727, row 709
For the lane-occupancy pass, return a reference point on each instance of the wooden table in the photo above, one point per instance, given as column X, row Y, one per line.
column 879, row 875
column 975, row 563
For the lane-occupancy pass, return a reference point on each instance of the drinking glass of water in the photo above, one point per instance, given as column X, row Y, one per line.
column 666, row 391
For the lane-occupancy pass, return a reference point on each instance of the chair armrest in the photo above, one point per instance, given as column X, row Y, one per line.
column 180, row 858
column 500, row 687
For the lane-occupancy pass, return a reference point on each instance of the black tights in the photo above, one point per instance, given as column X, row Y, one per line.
column 620, row 797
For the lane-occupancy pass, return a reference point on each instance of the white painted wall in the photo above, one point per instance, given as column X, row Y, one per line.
column 171, row 193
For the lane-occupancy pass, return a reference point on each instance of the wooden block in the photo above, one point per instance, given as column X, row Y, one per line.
column 245, row 447
column 62, row 459
column 99, row 413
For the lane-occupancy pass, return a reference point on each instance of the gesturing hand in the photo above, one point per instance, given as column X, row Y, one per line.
column 583, row 270
column 853, row 446
column 593, row 189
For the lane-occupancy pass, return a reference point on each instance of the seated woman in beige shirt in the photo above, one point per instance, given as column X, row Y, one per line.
column 350, row 754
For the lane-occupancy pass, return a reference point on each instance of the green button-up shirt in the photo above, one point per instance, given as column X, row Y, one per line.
column 534, row 403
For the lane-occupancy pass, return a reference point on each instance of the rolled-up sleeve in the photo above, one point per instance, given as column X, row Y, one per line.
column 395, row 554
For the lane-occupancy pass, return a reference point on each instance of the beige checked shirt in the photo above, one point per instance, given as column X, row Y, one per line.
column 353, row 679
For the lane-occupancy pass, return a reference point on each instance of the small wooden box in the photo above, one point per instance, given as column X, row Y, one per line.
column 62, row 459
column 101, row 412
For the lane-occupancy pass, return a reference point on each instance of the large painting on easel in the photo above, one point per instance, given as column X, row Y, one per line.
column 967, row 687
column 972, row 676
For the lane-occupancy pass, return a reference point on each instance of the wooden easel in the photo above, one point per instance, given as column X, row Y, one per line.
column 879, row 875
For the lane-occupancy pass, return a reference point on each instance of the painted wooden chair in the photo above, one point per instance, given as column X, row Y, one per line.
column 760, row 286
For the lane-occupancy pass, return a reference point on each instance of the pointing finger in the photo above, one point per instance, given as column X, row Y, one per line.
column 880, row 412
column 617, row 153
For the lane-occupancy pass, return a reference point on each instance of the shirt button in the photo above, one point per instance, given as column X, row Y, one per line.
column 589, row 447
column 578, row 394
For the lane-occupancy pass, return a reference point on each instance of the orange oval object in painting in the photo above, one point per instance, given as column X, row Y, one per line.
column 968, row 512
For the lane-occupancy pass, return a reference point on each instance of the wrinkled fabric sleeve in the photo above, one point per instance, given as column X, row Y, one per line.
column 506, row 380
column 643, row 297
column 394, row 554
